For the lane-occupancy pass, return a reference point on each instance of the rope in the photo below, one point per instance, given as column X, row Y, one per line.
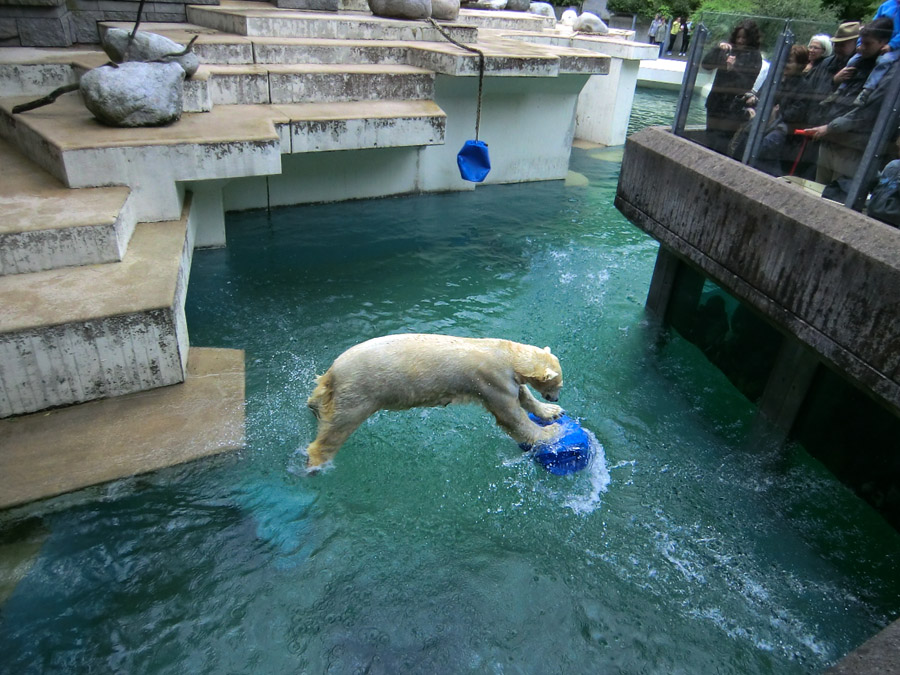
column 473, row 50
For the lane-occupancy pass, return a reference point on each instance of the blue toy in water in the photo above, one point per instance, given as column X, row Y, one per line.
column 567, row 454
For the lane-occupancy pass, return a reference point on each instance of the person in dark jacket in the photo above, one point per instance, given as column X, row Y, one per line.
column 820, row 80
column 737, row 64
column 846, row 134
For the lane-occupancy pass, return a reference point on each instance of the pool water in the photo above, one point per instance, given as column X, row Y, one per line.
column 694, row 543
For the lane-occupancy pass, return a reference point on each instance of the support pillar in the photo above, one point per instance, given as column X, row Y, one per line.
column 788, row 384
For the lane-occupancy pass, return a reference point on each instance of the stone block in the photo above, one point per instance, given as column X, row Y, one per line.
column 33, row 3
column 50, row 32
column 84, row 26
column 316, row 5
column 8, row 29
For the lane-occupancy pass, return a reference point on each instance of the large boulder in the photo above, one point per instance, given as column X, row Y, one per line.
column 542, row 9
column 135, row 94
column 119, row 46
column 590, row 23
column 445, row 10
column 401, row 9
column 518, row 5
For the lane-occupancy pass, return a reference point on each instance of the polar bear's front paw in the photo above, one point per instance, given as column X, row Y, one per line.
column 549, row 411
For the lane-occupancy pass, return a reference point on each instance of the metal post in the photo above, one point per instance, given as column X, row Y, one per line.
column 767, row 95
column 885, row 124
column 689, row 79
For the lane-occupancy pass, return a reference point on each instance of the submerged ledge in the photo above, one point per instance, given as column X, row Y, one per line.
column 48, row 453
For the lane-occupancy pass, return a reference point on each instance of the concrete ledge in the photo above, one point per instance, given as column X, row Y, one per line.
column 50, row 453
column 67, row 142
column 878, row 656
column 81, row 333
column 504, row 20
column 46, row 225
column 27, row 71
column 263, row 20
column 821, row 272
column 316, row 127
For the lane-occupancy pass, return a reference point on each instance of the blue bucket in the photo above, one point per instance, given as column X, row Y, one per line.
column 473, row 161
column 567, row 454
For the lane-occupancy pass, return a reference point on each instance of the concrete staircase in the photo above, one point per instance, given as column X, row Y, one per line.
column 99, row 228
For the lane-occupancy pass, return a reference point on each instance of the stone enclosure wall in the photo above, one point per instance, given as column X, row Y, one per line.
column 62, row 23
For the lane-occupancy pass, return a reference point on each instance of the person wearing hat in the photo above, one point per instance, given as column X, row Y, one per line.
column 832, row 71
column 845, row 135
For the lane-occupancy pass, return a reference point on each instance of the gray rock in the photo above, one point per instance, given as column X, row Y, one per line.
column 135, row 94
column 401, row 9
column 147, row 47
column 445, row 10
column 542, row 9
column 518, row 5
column 590, row 23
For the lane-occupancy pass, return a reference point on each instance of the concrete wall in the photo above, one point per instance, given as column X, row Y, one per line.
column 825, row 274
column 61, row 23
column 542, row 108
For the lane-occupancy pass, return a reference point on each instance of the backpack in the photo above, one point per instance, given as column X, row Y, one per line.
column 884, row 205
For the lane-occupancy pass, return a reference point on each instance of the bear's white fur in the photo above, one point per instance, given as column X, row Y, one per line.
column 398, row 372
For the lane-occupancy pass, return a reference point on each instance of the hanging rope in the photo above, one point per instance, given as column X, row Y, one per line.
column 473, row 50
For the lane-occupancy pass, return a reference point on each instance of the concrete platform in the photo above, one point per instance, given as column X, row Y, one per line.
column 46, row 225
column 80, row 333
column 66, row 141
column 260, row 19
column 50, row 453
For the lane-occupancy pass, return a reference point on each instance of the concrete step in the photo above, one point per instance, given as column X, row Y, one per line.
column 318, row 127
column 522, row 54
column 81, row 333
column 227, row 142
column 320, row 83
column 257, row 19
column 28, row 71
column 504, row 20
column 46, row 225
column 66, row 141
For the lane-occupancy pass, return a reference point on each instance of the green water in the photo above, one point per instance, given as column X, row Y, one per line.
column 693, row 544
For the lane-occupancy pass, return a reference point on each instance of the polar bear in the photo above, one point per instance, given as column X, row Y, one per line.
column 398, row 372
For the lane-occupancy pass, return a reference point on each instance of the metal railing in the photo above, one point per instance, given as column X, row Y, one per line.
column 882, row 132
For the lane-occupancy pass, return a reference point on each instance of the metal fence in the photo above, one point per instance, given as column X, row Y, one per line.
column 777, row 38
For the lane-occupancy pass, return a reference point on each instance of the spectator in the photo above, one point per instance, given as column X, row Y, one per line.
column 737, row 63
column 673, row 33
column 793, row 92
column 890, row 9
column 821, row 83
column 846, row 134
column 654, row 26
column 819, row 48
column 771, row 154
column 661, row 32
column 686, row 28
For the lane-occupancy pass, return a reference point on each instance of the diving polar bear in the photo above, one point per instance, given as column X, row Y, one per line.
column 398, row 372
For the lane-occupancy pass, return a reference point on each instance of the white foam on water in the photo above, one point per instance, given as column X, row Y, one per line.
column 598, row 478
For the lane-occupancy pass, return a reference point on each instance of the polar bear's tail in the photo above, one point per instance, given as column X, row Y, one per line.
column 321, row 401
